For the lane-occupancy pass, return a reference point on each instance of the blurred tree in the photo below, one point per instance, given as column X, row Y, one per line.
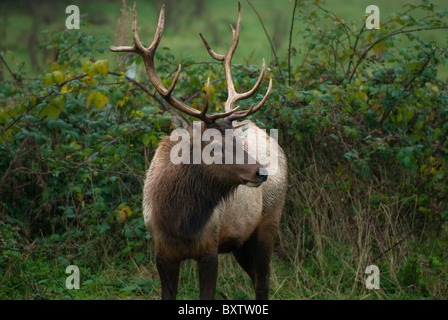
column 199, row 8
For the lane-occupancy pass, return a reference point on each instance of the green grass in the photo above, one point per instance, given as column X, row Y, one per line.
column 121, row 279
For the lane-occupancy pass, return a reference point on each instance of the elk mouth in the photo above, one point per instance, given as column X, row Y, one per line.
column 251, row 184
column 259, row 179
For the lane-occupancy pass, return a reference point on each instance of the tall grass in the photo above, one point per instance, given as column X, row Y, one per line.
column 330, row 234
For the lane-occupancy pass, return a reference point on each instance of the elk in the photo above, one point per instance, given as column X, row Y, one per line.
column 196, row 211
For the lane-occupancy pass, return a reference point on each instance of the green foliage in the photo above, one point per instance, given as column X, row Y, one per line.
column 363, row 120
column 370, row 105
column 71, row 150
column 374, row 100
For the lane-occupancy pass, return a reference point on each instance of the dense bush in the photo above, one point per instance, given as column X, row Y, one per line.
column 363, row 118
column 367, row 115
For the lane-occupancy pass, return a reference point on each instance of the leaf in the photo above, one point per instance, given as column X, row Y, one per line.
column 53, row 109
column 90, row 98
column 146, row 139
column 100, row 99
column 128, row 289
column 58, row 102
column 51, row 112
column 48, row 79
column 351, row 131
column 408, row 113
column 102, row 66
column 123, row 212
column 123, row 101
column 59, row 77
column 154, row 141
column 89, row 68
column 103, row 227
column 407, row 161
column 67, row 88
column 378, row 48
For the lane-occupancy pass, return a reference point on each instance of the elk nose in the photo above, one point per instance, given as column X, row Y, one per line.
column 262, row 175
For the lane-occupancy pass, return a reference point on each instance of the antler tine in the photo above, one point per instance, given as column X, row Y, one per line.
column 233, row 96
column 216, row 56
column 176, row 77
column 137, row 47
column 236, row 35
column 249, row 93
column 137, row 43
column 214, row 117
column 252, row 109
column 229, row 54
column 207, row 97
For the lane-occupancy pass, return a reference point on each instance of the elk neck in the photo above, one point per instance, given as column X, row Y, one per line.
column 185, row 195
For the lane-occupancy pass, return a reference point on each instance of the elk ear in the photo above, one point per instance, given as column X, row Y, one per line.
column 179, row 122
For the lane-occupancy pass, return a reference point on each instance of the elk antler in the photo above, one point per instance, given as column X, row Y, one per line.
column 233, row 96
column 148, row 58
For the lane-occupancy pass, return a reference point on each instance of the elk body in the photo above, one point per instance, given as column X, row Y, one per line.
column 198, row 210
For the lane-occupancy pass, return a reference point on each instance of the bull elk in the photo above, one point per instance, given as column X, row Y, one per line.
column 196, row 211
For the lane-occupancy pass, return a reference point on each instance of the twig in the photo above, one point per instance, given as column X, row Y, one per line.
column 17, row 80
column 83, row 75
column 40, row 99
column 290, row 42
column 346, row 28
column 270, row 41
column 125, row 58
column 354, row 48
column 144, row 89
column 395, row 245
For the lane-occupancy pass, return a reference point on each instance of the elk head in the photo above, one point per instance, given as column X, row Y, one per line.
column 248, row 173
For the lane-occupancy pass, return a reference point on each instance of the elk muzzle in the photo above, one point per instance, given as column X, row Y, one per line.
column 257, row 179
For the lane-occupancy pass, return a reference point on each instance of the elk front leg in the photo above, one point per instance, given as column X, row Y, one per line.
column 208, row 273
column 169, row 276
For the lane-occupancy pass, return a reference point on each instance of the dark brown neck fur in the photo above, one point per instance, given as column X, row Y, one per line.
column 184, row 196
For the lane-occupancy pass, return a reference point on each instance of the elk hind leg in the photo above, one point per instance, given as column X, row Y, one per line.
column 254, row 257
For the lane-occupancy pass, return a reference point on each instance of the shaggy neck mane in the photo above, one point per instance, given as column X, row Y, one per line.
column 184, row 198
